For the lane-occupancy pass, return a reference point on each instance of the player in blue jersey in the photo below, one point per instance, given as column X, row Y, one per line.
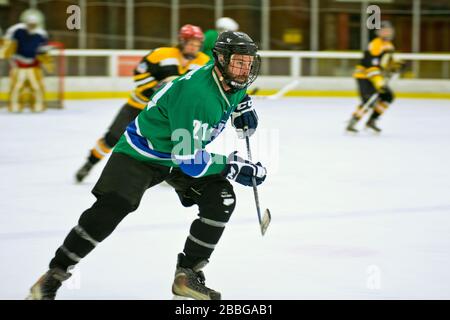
column 26, row 45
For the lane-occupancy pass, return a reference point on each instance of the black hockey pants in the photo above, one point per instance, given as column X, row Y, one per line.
column 119, row 191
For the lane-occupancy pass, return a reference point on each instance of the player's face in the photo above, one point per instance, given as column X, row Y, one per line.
column 192, row 47
column 240, row 67
column 387, row 33
column 31, row 26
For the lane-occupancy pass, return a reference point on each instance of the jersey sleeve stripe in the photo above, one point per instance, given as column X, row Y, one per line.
column 195, row 165
column 169, row 62
column 138, row 98
column 141, row 144
column 144, row 81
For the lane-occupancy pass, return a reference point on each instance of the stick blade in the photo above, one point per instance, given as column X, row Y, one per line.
column 267, row 217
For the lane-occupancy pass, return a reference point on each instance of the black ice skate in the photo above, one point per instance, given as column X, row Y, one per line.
column 83, row 171
column 351, row 125
column 190, row 283
column 47, row 285
column 371, row 124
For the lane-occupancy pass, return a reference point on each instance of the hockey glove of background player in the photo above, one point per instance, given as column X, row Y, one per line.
column 397, row 66
column 242, row 171
column 244, row 118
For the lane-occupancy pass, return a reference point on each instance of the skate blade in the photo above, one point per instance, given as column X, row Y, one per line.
column 164, row 184
column 267, row 217
column 351, row 133
column 32, row 296
column 372, row 131
column 177, row 297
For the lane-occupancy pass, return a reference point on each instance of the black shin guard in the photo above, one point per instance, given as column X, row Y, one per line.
column 95, row 224
column 374, row 116
column 93, row 159
column 216, row 203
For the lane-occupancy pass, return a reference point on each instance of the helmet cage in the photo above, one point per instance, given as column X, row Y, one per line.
column 223, row 53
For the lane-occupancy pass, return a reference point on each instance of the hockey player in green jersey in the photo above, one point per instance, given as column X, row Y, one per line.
column 166, row 142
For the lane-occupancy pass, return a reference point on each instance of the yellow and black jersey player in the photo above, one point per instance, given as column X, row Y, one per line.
column 158, row 67
column 378, row 63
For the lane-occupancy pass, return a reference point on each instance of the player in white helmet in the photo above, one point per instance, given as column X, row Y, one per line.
column 222, row 24
column 26, row 45
column 225, row 23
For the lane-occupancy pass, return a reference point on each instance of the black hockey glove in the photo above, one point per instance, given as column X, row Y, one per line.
column 244, row 119
column 242, row 171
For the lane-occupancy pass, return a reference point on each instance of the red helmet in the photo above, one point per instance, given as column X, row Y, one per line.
column 189, row 31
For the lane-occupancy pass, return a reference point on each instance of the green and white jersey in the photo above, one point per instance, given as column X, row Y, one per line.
column 179, row 121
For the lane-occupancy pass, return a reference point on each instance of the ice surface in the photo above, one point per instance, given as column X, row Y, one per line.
column 364, row 217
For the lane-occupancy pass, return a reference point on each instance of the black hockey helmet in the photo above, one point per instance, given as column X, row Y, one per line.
column 229, row 43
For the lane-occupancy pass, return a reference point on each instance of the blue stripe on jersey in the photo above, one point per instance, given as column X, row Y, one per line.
column 142, row 144
column 197, row 165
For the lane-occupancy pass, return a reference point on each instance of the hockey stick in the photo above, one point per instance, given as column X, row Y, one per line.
column 280, row 93
column 284, row 90
column 253, row 91
column 365, row 107
column 265, row 221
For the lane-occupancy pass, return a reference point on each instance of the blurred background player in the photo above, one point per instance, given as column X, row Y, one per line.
column 160, row 66
column 372, row 75
column 25, row 45
column 222, row 24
